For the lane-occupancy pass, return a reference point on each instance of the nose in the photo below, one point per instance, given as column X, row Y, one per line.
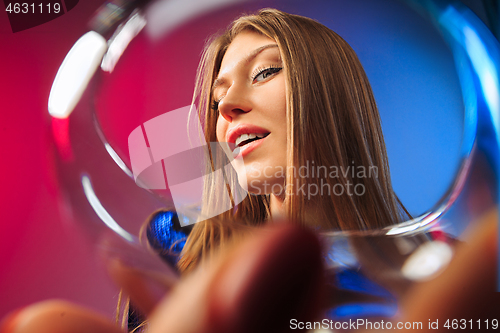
column 234, row 103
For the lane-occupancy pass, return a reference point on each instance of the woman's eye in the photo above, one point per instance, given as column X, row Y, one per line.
column 266, row 73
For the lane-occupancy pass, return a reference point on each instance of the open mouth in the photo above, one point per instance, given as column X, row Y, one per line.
column 245, row 139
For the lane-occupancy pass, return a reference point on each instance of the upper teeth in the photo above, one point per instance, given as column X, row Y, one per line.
column 245, row 137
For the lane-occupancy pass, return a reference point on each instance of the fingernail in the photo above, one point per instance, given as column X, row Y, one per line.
column 270, row 280
column 9, row 322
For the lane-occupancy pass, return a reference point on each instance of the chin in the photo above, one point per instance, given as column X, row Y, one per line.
column 258, row 186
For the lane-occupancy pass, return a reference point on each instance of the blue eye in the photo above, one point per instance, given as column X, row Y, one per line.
column 266, row 73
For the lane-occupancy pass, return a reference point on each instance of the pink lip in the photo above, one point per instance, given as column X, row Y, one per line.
column 240, row 129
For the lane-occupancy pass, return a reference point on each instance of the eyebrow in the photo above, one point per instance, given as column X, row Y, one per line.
column 247, row 59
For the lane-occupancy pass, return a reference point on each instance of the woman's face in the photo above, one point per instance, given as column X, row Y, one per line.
column 251, row 96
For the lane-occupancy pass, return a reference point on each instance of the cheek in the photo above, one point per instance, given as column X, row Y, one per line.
column 282, row 101
column 276, row 101
column 221, row 129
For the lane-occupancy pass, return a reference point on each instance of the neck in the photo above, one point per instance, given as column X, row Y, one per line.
column 277, row 208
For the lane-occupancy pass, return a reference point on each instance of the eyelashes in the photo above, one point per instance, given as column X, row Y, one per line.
column 265, row 72
column 215, row 106
column 259, row 75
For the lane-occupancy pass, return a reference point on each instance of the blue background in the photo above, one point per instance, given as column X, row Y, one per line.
column 413, row 76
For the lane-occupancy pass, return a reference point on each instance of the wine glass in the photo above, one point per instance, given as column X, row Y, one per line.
column 116, row 169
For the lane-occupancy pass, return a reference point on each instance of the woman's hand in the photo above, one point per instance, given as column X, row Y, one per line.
column 466, row 289
column 273, row 276
column 257, row 285
column 57, row 317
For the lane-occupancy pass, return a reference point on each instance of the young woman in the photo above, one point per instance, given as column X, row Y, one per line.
column 291, row 98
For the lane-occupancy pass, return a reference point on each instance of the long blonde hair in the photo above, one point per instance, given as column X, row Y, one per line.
column 332, row 120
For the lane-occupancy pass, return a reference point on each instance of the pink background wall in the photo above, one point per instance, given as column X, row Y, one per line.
column 41, row 255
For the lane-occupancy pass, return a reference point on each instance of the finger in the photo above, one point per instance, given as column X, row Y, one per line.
column 466, row 289
column 57, row 317
column 271, row 277
column 144, row 277
column 144, row 288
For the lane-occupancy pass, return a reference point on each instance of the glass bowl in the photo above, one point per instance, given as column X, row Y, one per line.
column 433, row 66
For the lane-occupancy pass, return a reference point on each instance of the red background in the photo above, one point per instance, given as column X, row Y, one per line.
column 41, row 256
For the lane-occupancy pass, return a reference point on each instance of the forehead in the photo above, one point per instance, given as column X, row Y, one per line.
column 245, row 45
